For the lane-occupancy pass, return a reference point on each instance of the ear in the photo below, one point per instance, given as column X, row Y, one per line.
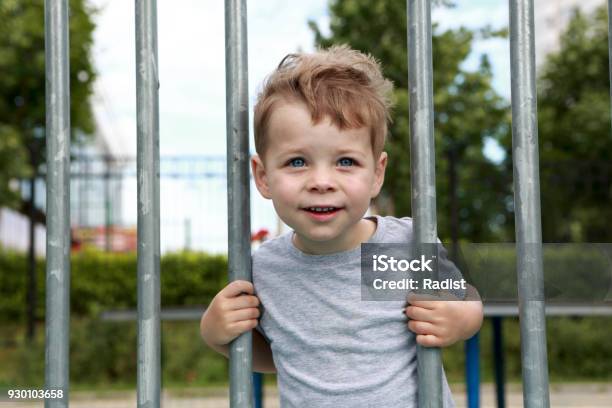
column 379, row 174
column 261, row 178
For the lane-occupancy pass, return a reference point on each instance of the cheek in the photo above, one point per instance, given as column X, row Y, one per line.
column 362, row 184
column 284, row 188
column 359, row 190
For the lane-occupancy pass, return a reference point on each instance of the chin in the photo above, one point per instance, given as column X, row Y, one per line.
column 320, row 237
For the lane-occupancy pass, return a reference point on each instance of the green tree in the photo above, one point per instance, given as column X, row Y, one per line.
column 13, row 159
column 473, row 192
column 574, row 134
column 22, row 86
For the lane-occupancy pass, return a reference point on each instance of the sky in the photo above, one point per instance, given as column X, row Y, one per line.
column 192, row 91
column 191, row 65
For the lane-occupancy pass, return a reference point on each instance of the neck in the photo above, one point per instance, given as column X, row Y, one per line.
column 361, row 232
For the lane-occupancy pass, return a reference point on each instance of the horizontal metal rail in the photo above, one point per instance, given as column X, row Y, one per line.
column 490, row 310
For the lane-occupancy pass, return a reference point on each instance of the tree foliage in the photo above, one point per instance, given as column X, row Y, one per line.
column 467, row 111
column 22, row 85
column 574, row 134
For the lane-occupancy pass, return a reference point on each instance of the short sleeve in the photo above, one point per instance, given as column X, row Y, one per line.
column 448, row 270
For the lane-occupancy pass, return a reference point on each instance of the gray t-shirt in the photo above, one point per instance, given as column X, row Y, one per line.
column 330, row 348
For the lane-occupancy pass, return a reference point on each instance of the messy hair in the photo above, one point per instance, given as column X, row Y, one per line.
column 343, row 84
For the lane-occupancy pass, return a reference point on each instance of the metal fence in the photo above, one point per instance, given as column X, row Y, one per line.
column 526, row 182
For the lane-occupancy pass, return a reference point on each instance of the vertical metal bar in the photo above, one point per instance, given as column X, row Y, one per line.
column 422, row 158
column 472, row 370
column 32, row 278
column 57, row 96
column 258, row 379
column 147, row 86
column 498, row 360
column 87, row 194
column 107, row 204
column 239, row 224
column 527, row 205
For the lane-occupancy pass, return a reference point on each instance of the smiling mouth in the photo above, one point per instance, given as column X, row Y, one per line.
column 322, row 209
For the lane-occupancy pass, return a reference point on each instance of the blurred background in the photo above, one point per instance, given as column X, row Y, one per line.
column 473, row 151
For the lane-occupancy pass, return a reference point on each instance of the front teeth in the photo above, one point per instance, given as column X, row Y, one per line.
column 321, row 209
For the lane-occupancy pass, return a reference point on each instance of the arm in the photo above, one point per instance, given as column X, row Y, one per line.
column 232, row 312
column 443, row 323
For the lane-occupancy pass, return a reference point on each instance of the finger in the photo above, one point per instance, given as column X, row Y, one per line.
column 243, row 326
column 422, row 327
column 420, row 314
column 238, row 287
column 243, row 314
column 241, row 302
column 423, row 301
column 428, row 340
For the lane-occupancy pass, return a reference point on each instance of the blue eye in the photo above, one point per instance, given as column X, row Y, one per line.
column 298, row 162
column 346, row 161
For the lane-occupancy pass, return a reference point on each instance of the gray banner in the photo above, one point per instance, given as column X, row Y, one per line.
column 573, row 273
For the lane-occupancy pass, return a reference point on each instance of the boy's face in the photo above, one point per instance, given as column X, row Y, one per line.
column 307, row 166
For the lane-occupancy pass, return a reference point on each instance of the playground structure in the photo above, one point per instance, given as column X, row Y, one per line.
column 526, row 184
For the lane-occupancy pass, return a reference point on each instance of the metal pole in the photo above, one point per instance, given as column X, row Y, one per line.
column 258, row 379
column 472, row 370
column 498, row 361
column 107, row 205
column 32, row 278
column 57, row 97
column 239, row 225
column 82, row 183
column 420, row 83
column 147, row 85
column 527, row 206
column 87, row 182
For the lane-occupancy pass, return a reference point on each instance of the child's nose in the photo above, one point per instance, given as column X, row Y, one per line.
column 321, row 180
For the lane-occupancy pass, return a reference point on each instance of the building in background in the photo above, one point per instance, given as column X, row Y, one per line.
column 96, row 197
column 95, row 202
column 551, row 20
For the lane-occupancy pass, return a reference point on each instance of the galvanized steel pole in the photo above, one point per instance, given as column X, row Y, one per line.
column 57, row 315
column 147, row 103
column 422, row 160
column 238, row 209
column 527, row 205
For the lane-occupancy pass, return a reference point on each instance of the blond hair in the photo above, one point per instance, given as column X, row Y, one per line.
column 343, row 84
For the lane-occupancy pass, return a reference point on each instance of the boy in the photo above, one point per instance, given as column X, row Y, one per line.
column 320, row 127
